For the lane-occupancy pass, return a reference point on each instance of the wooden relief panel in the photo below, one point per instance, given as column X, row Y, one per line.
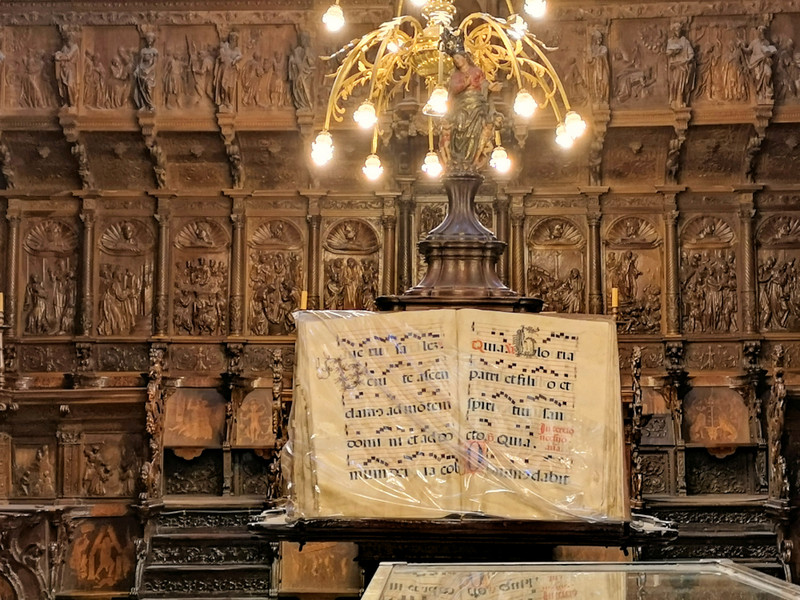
column 50, row 270
column 722, row 73
column 556, row 269
column 29, row 72
column 638, row 63
column 715, row 417
column 778, row 264
column 632, row 154
column 351, row 258
column 276, row 277
column 195, row 419
column 714, row 153
column 111, row 465
column 709, row 291
column 255, row 421
column 633, row 265
column 783, row 35
column 200, row 294
column 110, row 56
column 125, row 277
column 256, row 473
column 264, row 70
column 185, row 75
column 569, row 60
column 428, row 216
column 538, row 167
column 333, row 565
column 34, row 470
column 100, row 557
column 6, row 589
column 195, row 472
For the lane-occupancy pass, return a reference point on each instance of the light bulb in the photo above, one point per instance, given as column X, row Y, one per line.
column 418, row 2
column 333, row 18
column 524, row 104
column 518, row 27
column 394, row 46
column 500, row 160
column 574, row 124
column 372, row 167
column 365, row 115
column 536, row 8
column 322, row 148
column 432, row 167
column 437, row 103
column 563, row 139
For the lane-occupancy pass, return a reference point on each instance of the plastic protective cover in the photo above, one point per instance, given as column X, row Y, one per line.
column 427, row 414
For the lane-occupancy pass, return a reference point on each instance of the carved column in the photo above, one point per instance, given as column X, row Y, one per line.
column 389, row 222
column 70, row 442
column 87, row 267
column 747, row 289
column 314, row 248
column 516, row 250
column 237, row 269
column 161, row 308
column 5, row 465
column 12, row 271
column 405, row 237
column 502, row 205
column 595, row 257
column 672, row 259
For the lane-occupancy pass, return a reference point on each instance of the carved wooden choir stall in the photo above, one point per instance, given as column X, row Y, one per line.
column 163, row 220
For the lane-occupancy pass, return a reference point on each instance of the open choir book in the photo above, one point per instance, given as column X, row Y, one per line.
column 425, row 414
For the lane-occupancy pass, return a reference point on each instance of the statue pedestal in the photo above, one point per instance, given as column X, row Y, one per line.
column 462, row 256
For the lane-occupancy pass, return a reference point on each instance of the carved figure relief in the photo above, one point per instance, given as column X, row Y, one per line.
column 709, row 292
column 597, row 68
column 66, row 67
column 300, row 70
column 778, row 273
column 48, row 306
column 125, row 294
column 556, row 249
column 120, row 73
column 201, row 65
column 351, row 266
column 226, row 72
column 100, row 557
column 254, row 421
column 144, row 74
column 634, row 66
column 34, row 471
column 200, row 301
column 681, row 66
column 430, row 215
column 95, row 93
column 276, row 281
column 173, row 79
column 96, row 471
column 760, row 53
column 633, row 267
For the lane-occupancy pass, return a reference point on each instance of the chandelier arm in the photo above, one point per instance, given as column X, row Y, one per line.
column 531, row 40
column 399, row 8
column 375, row 140
column 499, row 30
column 343, row 74
column 539, row 80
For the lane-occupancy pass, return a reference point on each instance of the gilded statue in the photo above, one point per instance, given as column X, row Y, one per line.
column 468, row 127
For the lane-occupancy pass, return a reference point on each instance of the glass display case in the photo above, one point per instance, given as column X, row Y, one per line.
column 706, row 580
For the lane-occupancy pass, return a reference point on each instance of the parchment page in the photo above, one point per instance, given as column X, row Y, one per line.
column 382, row 414
column 487, row 584
column 539, row 411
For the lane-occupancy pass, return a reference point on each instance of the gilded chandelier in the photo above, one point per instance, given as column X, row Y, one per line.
column 385, row 61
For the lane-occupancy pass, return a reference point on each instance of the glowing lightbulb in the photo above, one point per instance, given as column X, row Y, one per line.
column 322, row 148
column 432, row 167
column 518, row 27
column 418, row 2
column 333, row 18
column 394, row 46
column 524, row 104
column 500, row 160
column 437, row 103
column 372, row 167
column 563, row 139
column 536, row 8
column 574, row 124
column 365, row 115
